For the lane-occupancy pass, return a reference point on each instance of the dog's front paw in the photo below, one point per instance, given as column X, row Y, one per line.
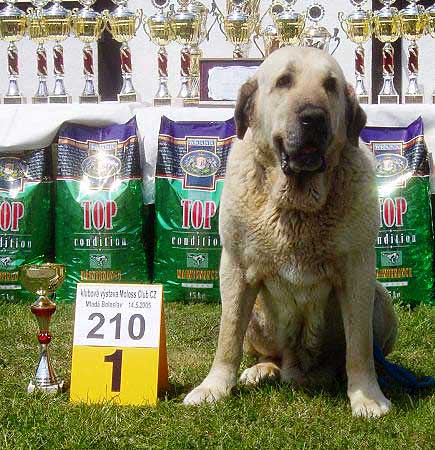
column 207, row 392
column 259, row 372
column 369, row 407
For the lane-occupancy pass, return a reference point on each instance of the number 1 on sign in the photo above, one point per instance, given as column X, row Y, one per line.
column 116, row 360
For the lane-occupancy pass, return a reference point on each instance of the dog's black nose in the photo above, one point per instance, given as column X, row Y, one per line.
column 313, row 117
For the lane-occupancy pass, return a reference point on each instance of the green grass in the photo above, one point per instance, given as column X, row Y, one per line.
column 272, row 416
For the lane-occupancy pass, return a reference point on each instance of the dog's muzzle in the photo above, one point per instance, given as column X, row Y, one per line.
column 303, row 150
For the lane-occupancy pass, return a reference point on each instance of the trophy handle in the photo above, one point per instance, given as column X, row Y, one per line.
column 139, row 17
column 256, row 36
column 145, row 26
column 105, row 16
column 219, row 17
column 337, row 39
column 342, row 22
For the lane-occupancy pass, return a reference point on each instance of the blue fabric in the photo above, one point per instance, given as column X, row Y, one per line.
column 395, row 374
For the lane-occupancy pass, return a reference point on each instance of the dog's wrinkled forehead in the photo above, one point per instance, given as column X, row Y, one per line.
column 302, row 62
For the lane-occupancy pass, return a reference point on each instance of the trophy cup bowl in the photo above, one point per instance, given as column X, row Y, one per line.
column 159, row 29
column 57, row 22
column 413, row 22
column 357, row 26
column 289, row 25
column 123, row 23
column 238, row 27
column 386, row 25
column 13, row 23
column 36, row 25
column 88, row 25
column 43, row 280
column 186, row 27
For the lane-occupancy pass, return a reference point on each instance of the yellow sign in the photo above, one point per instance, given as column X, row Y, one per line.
column 119, row 348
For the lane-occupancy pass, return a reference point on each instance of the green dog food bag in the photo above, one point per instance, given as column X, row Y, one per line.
column 404, row 248
column 191, row 164
column 99, row 217
column 25, row 216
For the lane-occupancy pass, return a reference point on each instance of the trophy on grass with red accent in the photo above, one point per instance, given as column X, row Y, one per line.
column 386, row 24
column 88, row 26
column 43, row 280
column 158, row 29
column 13, row 23
column 413, row 23
column 123, row 25
column 358, row 27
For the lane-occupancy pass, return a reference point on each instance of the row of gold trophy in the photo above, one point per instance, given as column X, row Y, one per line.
column 187, row 25
column 388, row 25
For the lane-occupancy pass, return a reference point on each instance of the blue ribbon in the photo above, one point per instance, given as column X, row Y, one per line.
column 395, row 374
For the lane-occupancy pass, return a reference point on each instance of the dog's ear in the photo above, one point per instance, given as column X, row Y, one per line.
column 356, row 118
column 245, row 106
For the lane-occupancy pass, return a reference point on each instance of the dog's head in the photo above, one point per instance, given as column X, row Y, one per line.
column 302, row 115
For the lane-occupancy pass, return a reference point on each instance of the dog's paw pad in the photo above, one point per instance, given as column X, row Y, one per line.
column 371, row 408
column 205, row 394
column 259, row 372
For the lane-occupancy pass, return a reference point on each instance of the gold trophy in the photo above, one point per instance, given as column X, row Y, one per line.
column 13, row 23
column 38, row 33
column 413, row 23
column 58, row 26
column 289, row 24
column 159, row 30
column 88, row 26
column 358, row 27
column 186, row 27
column 123, row 25
column 386, row 24
column 269, row 33
column 430, row 14
column 43, row 280
column 198, row 8
column 316, row 35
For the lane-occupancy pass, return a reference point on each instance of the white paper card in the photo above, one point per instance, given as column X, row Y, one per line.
column 224, row 82
column 118, row 315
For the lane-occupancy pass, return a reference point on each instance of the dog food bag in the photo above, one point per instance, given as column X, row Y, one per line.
column 404, row 249
column 191, row 165
column 25, row 216
column 99, row 217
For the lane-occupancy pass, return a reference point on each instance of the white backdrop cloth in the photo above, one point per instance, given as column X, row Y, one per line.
column 34, row 126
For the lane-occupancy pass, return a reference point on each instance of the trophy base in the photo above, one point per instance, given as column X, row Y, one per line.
column 14, row 100
column 217, row 104
column 162, row 101
column 363, row 99
column 39, row 100
column 183, row 102
column 127, row 98
column 388, row 99
column 89, row 99
column 59, row 99
column 53, row 388
column 413, row 98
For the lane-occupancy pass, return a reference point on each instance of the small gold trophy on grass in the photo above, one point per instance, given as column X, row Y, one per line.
column 158, row 29
column 123, row 25
column 413, row 24
column 13, row 23
column 358, row 27
column 386, row 24
column 43, row 280
column 430, row 13
column 88, row 26
column 38, row 33
column 58, row 26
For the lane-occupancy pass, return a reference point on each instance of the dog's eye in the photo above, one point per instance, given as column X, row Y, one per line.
column 284, row 81
column 330, row 84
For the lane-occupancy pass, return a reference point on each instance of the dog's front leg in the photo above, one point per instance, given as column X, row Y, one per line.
column 238, row 298
column 356, row 298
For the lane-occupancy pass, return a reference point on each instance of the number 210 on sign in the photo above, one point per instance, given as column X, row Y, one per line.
column 119, row 348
